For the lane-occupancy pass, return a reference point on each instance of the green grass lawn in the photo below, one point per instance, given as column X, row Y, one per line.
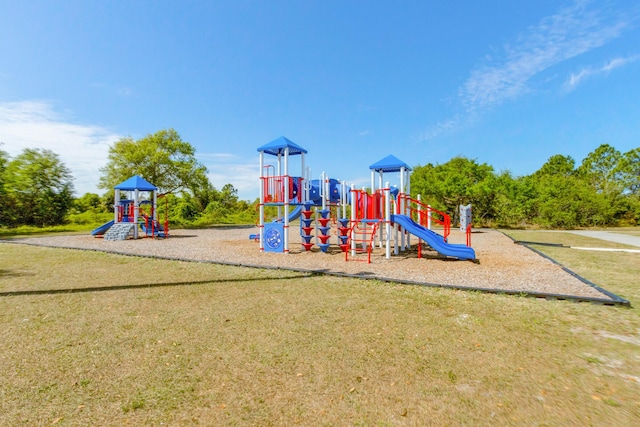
column 99, row 339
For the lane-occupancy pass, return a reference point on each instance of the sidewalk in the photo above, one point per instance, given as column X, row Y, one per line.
column 609, row 236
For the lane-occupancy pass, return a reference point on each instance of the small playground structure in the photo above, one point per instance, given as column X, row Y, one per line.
column 134, row 213
column 361, row 219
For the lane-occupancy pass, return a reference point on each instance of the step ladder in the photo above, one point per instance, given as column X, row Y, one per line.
column 120, row 231
column 361, row 241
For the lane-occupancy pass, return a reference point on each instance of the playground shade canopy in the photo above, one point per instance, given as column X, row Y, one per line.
column 136, row 182
column 389, row 164
column 278, row 146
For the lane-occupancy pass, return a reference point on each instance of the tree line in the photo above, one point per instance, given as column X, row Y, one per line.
column 604, row 190
column 36, row 188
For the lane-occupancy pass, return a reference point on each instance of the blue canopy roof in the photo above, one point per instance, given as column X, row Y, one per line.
column 136, row 183
column 278, row 145
column 389, row 164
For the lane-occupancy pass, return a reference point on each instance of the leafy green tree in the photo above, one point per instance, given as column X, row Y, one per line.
column 4, row 160
column 203, row 194
column 169, row 163
column 602, row 169
column 6, row 211
column 570, row 202
column 222, row 208
column 89, row 202
column 229, row 197
column 162, row 158
column 557, row 165
column 460, row 181
column 565, row 197
column 602, row 191
column 423, row 180
column 40, row 187
column 630, row 171
column 616, row 176
column 514, row 204
column 186, row 208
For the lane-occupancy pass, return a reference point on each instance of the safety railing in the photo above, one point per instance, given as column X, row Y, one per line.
column 422, row 213
column 274, row 189
column 126, row 211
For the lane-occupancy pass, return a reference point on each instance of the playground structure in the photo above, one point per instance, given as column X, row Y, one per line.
column 134, row 213
column 363, row 219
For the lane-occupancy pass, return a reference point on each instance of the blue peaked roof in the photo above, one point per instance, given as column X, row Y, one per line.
column 278, row 145
column 136, row 183
column 389, row 164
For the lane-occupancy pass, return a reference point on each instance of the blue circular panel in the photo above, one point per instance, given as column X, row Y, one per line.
column 273, row 238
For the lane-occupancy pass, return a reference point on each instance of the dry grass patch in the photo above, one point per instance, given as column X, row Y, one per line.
column 618, row 272
column 178, row 343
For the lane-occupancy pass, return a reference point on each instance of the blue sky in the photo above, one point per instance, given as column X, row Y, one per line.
column 506, row 83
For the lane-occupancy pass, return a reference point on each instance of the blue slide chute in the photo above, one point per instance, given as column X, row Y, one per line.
column 293, row 215
column 102, row 229
column 434, row 240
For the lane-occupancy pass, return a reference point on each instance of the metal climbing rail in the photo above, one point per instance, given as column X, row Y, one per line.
column 274, row 189
column 423, row 214
column 361, row 240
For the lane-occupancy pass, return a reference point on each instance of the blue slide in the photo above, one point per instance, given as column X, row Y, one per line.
column 295, row 214
column 102, row 229
column 434, row 240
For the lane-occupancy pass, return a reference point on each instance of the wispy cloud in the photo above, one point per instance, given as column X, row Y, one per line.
column 570, row 32
column 445, row 127
column 225, row 168
column 124, row 91
column 84, row 148
column 36, row 124
column 579, row 77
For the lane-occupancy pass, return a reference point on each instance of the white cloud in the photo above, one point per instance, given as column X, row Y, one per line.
column 84, row 148
column 225, row 168
column 570, row 32
column 576, row 79
column 444, row 127
column 35, row 124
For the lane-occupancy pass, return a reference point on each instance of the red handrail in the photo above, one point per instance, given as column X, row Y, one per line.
column 468, row 235
column 420, row 212
column 274, row 189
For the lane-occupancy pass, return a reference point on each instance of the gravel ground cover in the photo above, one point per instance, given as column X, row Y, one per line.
column 502, row 265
